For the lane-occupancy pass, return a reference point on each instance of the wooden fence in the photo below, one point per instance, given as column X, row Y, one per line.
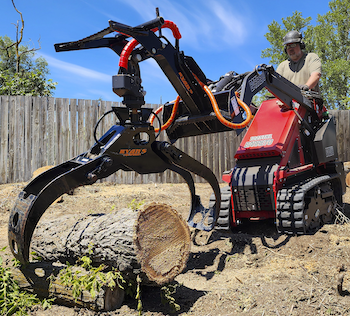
column 36, row 132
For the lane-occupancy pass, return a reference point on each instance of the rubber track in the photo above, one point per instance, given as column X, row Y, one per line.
column 223, row 222
column 291, row 205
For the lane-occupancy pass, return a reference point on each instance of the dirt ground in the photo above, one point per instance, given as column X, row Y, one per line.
column 250, row 271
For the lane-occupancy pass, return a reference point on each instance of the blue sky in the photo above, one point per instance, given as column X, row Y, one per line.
column 220, row 35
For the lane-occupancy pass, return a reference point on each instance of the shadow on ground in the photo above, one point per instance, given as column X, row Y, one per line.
column 211, row 244
column 152, row 299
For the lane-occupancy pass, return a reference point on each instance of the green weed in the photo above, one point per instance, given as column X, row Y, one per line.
column 134, row 205
column 13, row 300
column 92, row 281
column 167, row 292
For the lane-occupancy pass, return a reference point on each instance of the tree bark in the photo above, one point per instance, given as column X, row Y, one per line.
column 153, row 243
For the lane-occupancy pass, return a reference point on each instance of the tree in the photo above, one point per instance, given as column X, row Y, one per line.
column 20, row 72
column 332, row 44
column 329, row 38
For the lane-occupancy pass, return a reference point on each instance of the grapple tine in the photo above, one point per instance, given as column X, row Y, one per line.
column 39, row 194
column 183, row 165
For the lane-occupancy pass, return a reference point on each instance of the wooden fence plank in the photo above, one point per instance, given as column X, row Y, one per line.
column 50, row 131
column 81, row 127
column 44, row 130
column 36, row 134
column 94, row 117
column 27, row 109
column 41, row 138
column 11, row 145
column 19, row 139
column 100, row 130
column 4, row 134
column 58, row 129
column 65, row 144
column 72, row 129
column 345, row 115
column 88, row 125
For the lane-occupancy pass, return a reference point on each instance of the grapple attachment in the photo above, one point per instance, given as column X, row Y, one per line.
column 119, row 149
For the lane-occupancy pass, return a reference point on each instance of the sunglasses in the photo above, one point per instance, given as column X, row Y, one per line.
column 291, row 45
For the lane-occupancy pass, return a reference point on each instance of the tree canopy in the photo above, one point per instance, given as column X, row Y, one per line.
column 20, row 72
column 329, row 38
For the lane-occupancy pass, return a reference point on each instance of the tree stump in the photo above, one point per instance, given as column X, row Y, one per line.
column 153, row 243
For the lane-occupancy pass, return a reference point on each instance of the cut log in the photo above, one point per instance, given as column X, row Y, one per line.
column 347, row 172
column 347, row 179
column 153, row 243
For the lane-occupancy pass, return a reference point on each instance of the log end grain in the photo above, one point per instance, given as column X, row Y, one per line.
column 348, row 179
column 162, row 240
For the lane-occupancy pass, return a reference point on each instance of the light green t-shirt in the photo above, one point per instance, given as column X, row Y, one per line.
column 300, row 71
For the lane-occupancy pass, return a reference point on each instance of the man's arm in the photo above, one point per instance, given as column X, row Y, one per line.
column 313, row 79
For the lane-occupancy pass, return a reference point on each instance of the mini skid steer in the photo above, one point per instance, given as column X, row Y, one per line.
column 286, row 166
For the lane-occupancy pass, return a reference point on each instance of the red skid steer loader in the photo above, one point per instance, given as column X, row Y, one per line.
column 287, row 165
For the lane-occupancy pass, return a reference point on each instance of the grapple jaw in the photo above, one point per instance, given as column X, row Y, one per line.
column 119, row 149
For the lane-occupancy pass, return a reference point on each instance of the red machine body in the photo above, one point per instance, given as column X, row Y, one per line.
column 269, row 133
column 275, row 156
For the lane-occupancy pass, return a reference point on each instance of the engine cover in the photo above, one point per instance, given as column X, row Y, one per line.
column 326, row 142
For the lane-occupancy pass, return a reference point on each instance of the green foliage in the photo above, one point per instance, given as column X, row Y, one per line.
column 329, row 38
column 14, row 301
column 134, row 205
column 167, row 292
column 332, row 44
column 92, row 281
column 95, row 278
column 138, row 295
column 21, row 73
column 26, row 60
column 30, row 83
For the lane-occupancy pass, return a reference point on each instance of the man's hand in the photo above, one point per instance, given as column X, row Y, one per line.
column 303, row 87
column 283, row 107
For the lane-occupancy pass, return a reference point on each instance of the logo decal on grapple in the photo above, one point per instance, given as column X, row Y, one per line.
column 132, row 152
column 185, row 83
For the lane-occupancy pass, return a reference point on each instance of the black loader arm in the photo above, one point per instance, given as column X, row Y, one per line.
column 264, row 76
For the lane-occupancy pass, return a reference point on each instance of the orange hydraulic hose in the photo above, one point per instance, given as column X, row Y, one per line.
column 217, row 110
column 124, row 56
column 219, row 115
column 171, row 118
